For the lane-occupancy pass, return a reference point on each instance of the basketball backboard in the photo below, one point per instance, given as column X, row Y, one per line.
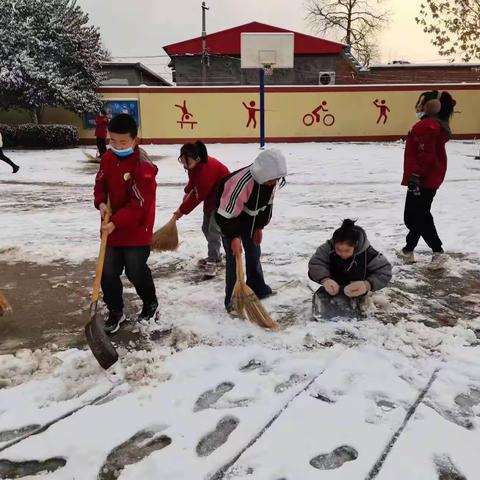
column 271, row 49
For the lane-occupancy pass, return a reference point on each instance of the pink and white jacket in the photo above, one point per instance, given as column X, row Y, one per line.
column 245, row 202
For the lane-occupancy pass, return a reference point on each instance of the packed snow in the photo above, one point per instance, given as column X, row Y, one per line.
column 207, row 396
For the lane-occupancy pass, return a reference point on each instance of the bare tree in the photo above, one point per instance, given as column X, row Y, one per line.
column 454, row 25
column 355, row 22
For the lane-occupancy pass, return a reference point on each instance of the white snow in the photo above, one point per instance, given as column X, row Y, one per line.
column 372, row 371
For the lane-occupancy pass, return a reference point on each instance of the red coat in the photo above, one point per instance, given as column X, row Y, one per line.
column 202, row 183
column 101, row 124
column 130, row 183
column 425, row 153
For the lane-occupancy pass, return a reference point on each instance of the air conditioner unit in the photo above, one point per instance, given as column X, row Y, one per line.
column 326, row 78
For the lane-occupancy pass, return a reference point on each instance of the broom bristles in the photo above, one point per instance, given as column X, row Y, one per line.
column 166, row 238
column 247, row 305
column 4, row 306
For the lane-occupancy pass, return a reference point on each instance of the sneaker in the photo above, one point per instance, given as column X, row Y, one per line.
column 438, row 261
column 406, row 255
column 113, row 322
column 149, row 311
column 203, row 262
column 210, row 269
column 16, row 168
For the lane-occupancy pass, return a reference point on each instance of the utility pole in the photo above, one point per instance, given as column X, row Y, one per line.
column 205, row 60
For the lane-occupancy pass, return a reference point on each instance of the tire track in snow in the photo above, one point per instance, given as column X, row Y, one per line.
column 47, row 425
column 379, row 464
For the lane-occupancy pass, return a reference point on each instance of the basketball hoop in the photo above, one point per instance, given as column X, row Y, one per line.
column 268, row 69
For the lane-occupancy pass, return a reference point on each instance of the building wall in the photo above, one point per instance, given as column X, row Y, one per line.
column 219, row 114
column 408, row 74
column 128, row 76
column 227, row 71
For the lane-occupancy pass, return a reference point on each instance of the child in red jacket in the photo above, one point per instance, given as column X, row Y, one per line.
column 204, row 175
column 126, row 178
column 425, row 166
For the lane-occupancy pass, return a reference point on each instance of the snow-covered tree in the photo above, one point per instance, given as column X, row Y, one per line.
column 49, row 56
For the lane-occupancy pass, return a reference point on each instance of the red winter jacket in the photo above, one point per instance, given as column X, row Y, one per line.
column 131, row 186
column 101, row 124
column 425, row 153
column 202, row 183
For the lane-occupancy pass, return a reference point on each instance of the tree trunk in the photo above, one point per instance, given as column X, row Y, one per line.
column 39, row 112
column 348, row 38
column 34, row 117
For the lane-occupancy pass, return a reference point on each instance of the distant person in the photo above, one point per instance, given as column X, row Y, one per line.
column 204, row 175
column 3, row 157
column 101, row 124
column 425, row 166
column 347, row 266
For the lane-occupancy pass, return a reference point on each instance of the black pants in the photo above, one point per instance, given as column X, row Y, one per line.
column 6, row 159
column 134, row 261
column 419, row 221
column 101, row 145
column 254, row 270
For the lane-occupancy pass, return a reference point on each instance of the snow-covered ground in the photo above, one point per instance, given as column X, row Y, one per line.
column 395, row 396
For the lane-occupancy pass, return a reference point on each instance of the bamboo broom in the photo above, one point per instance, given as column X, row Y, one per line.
column 4, row 306
column 166, row 238
column 246, row 303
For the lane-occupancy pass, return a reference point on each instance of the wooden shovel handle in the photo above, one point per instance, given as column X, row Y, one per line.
column 101, row 257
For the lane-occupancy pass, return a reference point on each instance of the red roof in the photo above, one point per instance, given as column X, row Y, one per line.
column 227, row 42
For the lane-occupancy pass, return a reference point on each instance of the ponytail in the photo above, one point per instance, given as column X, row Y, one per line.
column 347, row 233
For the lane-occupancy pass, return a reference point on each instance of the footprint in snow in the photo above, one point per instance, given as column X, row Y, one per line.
column 334, row 459
column 11, row 470
column 215, row 439
column 8, row 435
column 211, row 397
column 446, row 470
column 132, row 451
column 292, row 381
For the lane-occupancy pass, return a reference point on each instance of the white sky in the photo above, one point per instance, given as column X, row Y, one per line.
column 142, row 27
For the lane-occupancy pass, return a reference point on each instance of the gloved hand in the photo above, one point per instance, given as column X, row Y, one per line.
column 357, row 289
column 331, row 286
column 236, row 246
column 258, row 236
column 414, row 184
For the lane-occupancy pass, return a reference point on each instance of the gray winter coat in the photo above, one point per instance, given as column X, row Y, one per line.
column 366, row 264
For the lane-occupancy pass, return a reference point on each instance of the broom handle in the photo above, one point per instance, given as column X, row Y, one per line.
column 101, row 257
column 240, row 272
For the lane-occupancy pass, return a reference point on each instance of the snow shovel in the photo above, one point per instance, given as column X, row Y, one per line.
column 97, row 339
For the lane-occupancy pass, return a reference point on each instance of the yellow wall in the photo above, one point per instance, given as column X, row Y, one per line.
column 221, row 116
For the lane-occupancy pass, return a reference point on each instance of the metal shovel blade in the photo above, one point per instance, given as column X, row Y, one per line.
column 99, row 343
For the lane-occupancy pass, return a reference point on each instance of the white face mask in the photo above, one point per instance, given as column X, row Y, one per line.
column 419, row 115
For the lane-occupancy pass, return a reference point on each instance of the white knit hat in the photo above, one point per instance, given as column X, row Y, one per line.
column 269, row 165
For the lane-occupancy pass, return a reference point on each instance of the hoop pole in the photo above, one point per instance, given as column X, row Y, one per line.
column 261, row 75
